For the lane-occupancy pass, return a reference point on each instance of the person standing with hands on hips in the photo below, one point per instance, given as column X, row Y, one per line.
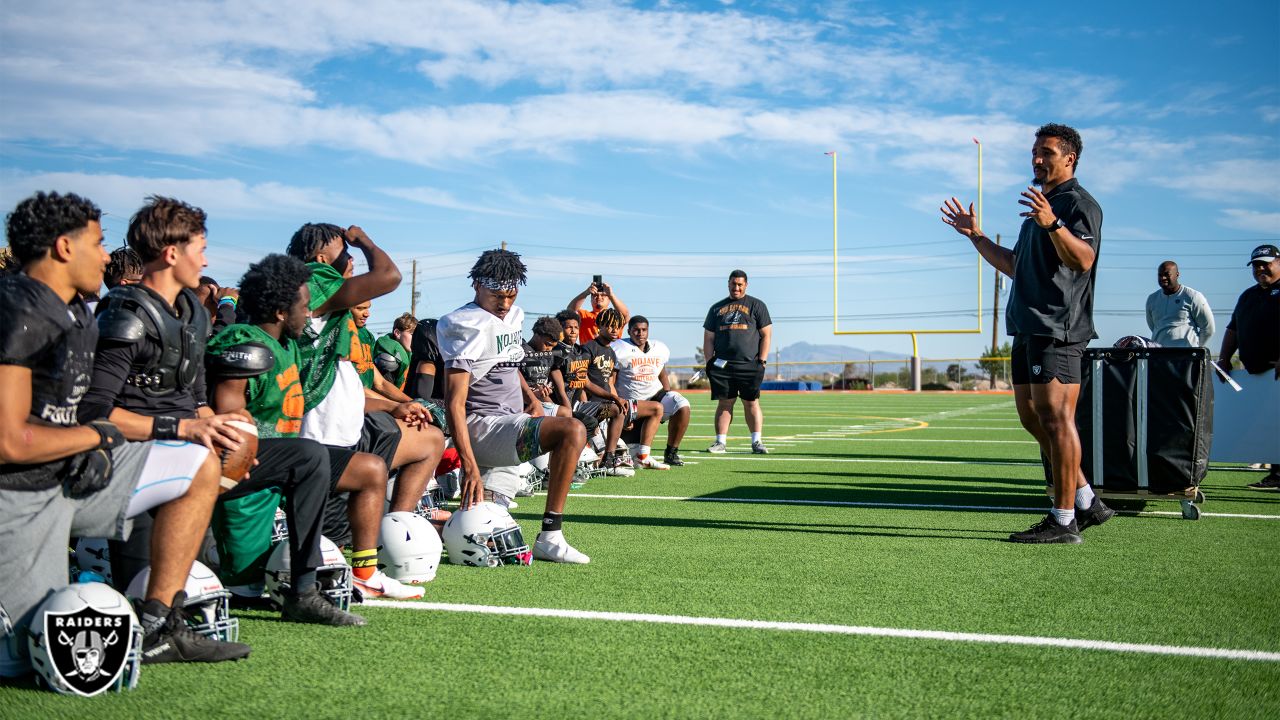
column 735, row 343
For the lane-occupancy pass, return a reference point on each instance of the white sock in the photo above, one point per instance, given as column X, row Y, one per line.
column 551, row 535
column 1084, row 497
column 755, row 438
column 1064, row 517
column 721, row 438
column 642, row 451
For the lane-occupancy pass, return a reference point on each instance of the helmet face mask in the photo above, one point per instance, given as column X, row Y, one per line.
column 207, row 608
column 333, row 575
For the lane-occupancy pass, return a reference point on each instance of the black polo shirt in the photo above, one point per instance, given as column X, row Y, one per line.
column 1256, row 322
column 1048, row 298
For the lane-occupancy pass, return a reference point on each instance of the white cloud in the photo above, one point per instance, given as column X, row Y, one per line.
column 1267, row 223
column 445, row 199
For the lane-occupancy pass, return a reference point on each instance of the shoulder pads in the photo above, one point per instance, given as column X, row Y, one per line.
column 386, row 363
column 116, row 321
column 241, row 362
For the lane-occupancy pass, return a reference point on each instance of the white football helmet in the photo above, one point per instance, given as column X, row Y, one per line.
column 411, row 547
column 334, row 574
column 94, row 556
column 280, row 528
column 86, row 658
column 485, row 535
column 208, row 604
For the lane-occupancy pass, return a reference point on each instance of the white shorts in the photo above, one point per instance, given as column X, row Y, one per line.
column 671, row 404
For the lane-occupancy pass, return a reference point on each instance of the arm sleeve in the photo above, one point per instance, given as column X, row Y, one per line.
column 111, row 363
column 424, row 385
column 1085, row 222
column 225, row 316
column 1202, row 315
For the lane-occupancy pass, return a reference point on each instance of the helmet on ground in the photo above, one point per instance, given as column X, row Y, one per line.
column 93, row 555
column 85, row 639
column 411, row 547
column 334, row 574
column 485, row 535
column 208, row 604
column 280, row 527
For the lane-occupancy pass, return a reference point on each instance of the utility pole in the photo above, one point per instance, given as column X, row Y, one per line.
column 504, row 244
column 413, row 291
column 995, row 312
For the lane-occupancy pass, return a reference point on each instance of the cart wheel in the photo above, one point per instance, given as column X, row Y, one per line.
column 1190, row 511
column 1199, row 496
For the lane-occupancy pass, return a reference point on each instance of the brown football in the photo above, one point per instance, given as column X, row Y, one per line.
column 238, row 462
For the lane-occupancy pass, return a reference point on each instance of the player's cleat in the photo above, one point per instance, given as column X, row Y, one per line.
column 716, row 448
column 652, row 463
column 672, row 458
column 1049, row 530
column 379, row 584
column 313, row 607
column 175, row 641
column 1270, row 482
column 758, row 448
column 552, row 547
column 613, row 467
column 1095, row 515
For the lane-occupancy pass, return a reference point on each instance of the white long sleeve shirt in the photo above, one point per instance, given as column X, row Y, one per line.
column 1182, row 319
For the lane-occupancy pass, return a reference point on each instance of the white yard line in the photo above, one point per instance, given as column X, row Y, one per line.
column 833, row 629
column 907, row 506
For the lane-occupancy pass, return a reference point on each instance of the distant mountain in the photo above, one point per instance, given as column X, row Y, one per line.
column 838, row 354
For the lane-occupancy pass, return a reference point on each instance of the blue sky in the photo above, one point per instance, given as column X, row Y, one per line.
column 662, row 144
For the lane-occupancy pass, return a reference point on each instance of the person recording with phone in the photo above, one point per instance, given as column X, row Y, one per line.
column 602, row 295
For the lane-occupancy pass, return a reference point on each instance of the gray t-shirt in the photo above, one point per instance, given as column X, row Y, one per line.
column 491, row 350
column 1048, row 298
column 1180, row 319
column 737, row 325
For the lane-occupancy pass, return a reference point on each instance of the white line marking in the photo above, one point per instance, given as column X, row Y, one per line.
column 746, row 455
column 915, row 506
column 829, row 628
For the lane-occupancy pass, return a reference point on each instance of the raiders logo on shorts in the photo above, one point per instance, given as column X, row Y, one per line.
column 88, row 648
column 1035, row 369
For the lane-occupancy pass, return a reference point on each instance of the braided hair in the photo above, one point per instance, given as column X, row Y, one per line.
column 499, row 266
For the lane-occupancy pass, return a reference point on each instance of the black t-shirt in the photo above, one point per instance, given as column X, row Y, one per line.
column 1256, row 322
column 1049, row 298
column 737, row 325
column 424, row 348
column 536, row 366
column 602, row 361
column 53, row 339
column 571, row 361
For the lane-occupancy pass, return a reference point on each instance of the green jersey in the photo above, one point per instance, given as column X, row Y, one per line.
column 391, row 346
column 362, row 356
column 274, row 399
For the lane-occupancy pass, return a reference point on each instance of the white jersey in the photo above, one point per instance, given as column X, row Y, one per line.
column 490, row 348
column 639, row 371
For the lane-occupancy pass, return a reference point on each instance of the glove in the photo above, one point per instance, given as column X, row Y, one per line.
column 109, row 435
column 88, row 472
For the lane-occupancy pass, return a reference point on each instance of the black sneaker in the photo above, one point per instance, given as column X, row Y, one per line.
column 313, row 607
column 175, row 641
column 1049, row 530
column 672, row 458
column 1270, row 482
column 1095, row 515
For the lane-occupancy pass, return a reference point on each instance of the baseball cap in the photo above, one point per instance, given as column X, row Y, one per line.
column 1264, row 253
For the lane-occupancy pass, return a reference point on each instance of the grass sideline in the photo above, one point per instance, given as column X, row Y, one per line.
column 787, row 557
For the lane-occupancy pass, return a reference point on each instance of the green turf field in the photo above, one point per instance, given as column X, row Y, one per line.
column 875, row 515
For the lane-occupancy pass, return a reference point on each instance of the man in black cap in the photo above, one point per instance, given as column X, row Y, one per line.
column 1254, row 330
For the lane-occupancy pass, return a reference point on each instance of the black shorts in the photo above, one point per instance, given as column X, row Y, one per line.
column 736, row 379
column 379, row 436
column 1037, row 360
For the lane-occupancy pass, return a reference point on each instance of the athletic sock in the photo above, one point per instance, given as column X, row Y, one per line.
column 1064, row 517
column 364, row 563
column 721, row 438
column 755, row 438
column 552, row 521
column 154, row 614
column 303, row 582
column 642, row 452
column 1084, row 497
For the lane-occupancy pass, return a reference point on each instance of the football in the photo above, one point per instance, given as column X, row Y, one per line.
column 238, row 462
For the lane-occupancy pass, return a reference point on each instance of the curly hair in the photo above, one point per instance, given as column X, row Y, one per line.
column 309, row 239
column 547, row 326
column 1067, row 136
column 37, row 222
column 124, row 263
column 162, row 222
column 566, row 315
column 501, row 265
column 8, row 263
column 271, row 285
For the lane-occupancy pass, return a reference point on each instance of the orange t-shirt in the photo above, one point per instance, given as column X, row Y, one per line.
column 586, row 326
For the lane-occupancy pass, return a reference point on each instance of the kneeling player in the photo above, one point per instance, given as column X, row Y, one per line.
column 642, row 375
column 482, row 350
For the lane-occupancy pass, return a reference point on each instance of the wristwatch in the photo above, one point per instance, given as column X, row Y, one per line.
column 1057, row 223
